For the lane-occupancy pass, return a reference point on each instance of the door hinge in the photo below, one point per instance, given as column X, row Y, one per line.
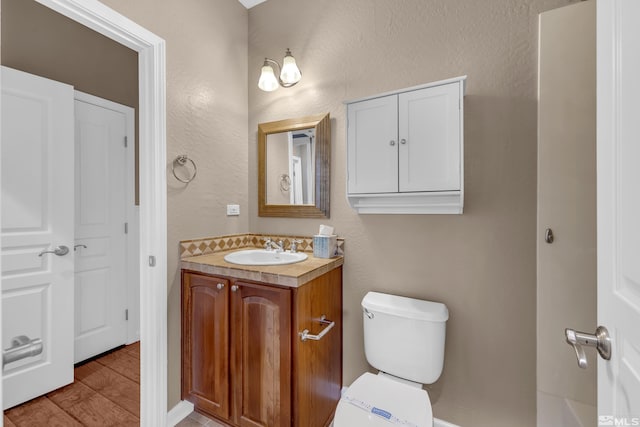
column 152, row 261
column 126, row 141
column 126, row 314
column 126, row 228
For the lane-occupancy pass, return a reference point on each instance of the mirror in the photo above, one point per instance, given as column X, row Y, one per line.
column 294, row 158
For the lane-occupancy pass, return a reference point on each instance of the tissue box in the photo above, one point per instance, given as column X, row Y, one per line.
column 324, row 246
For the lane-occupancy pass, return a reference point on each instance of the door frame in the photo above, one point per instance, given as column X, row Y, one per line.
column 152, row 171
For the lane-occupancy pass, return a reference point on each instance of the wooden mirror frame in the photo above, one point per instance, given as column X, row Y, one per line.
column 322, row 172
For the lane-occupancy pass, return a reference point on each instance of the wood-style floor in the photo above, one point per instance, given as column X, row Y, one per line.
column 198, row 420
column 106, row 392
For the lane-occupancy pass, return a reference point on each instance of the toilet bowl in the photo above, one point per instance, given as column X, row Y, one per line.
column 404, row 338
column 375, row 401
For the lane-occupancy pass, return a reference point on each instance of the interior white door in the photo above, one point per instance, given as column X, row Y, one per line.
column 296, row 181
column 618, row 171
column 101, row 228
column 37, row 215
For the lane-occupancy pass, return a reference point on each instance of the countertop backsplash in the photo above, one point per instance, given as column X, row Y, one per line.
column 208, row 245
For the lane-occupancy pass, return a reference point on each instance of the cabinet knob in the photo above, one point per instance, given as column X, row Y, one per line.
column 220, row 286
column 392, row 142
column 234, row 288
column 403, row 141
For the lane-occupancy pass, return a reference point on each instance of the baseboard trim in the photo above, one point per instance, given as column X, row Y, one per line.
column 179, row 412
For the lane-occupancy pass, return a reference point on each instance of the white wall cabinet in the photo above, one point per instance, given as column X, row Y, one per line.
column 405, row 150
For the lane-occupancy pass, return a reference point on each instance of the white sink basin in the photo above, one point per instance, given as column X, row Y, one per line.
column 263, row 257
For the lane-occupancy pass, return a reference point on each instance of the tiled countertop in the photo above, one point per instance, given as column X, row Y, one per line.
column 291, row 275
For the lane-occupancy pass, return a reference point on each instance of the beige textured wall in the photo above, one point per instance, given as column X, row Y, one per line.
column 40, row 41
column 567, row 199
column 206, row 44
column 481, row 264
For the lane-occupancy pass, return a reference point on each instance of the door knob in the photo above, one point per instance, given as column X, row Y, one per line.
column 60, row 251
column 600, row 340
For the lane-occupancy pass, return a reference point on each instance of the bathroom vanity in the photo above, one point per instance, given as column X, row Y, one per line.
column 262, row 345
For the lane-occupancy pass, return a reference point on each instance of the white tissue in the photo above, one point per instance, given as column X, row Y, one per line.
column 325, row 230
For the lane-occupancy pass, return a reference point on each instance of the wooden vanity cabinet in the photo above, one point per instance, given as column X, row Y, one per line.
column 243, row 360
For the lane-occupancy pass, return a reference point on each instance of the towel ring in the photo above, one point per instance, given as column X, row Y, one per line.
column 182, row 161
column 285, row 182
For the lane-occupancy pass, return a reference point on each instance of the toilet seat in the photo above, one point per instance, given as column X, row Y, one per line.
column 378, row 401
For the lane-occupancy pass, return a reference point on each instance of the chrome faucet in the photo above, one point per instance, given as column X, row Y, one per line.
column 294, row 246
column 270, row 244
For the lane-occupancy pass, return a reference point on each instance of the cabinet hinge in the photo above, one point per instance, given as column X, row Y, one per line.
column 126, row 228
column 126, row 140
column 126, row 314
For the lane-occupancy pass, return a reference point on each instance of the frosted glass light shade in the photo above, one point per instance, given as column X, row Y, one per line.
column 290, row 73
column 268, row 81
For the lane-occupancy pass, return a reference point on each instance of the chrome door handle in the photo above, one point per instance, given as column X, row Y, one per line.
column 60, row 251
column 600, row 340
column 21, row 347
column 75, row 247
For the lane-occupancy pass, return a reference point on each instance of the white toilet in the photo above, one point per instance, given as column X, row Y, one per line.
column 404, row 339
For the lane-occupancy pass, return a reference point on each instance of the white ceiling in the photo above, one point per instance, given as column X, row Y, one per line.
column 250, row 3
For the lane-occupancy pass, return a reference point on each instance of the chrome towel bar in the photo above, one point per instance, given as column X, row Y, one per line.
column 305, row 335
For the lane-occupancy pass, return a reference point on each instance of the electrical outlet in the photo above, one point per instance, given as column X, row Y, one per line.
column 233, row 210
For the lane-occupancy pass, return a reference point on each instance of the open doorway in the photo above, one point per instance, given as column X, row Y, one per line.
column 152, row 259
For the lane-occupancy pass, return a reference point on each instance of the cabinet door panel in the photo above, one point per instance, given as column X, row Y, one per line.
column 429, row 133
column 206, row 343
column 261, row 331
column 372, row 159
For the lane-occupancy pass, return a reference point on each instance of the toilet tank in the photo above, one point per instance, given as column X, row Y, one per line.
column 404, row 337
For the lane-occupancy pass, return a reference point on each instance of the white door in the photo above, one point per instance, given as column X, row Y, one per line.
column 101, row 227
column 429, row 139
column 618, row 159
column 296, row 181
column 372, row 145
column 37, row 215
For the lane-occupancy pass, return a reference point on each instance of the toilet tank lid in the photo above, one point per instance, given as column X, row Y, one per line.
column 411, row 308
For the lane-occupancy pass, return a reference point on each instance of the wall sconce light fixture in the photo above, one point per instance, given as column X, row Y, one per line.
column 289, row 73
